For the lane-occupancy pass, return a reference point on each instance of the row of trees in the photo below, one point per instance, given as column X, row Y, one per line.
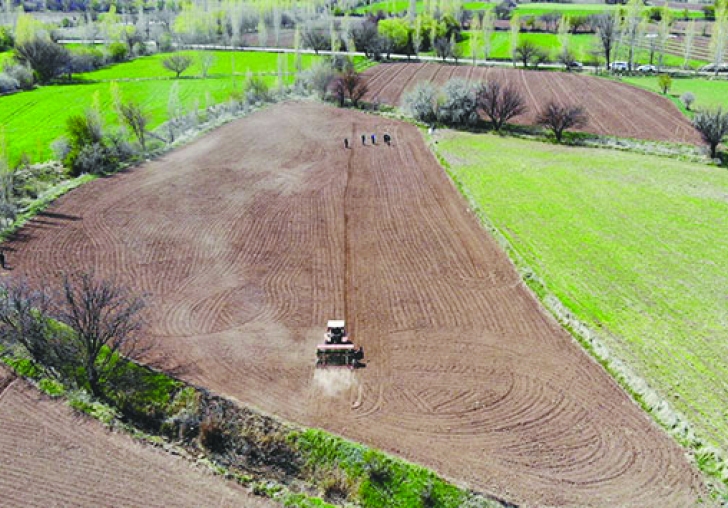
column 459, row 104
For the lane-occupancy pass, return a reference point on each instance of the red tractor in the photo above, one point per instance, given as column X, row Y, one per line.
column 337, row 350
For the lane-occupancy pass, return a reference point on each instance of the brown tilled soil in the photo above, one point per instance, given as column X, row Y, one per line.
column 252, row 237
column 613, row 109
column 51, row 456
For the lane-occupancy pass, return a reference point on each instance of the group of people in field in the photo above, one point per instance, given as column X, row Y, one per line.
column 387, row 140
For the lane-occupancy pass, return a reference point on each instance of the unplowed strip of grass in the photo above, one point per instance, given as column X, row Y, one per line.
column 633, row 245
column 53, row 456
column 709, row 93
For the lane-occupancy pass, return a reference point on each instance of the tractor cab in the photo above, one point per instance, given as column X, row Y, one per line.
column 337, row 350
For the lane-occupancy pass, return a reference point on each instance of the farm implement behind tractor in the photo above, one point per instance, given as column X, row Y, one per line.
column 337, row 350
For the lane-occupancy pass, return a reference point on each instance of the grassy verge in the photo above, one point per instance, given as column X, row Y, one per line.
column 709, row 92
column 630, row 247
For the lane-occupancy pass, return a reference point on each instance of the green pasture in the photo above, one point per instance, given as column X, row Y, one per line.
column 709, row 93
column 224, row 64
column 524, row 9
column 580, row 44
column 633, row 245
column 33, row 120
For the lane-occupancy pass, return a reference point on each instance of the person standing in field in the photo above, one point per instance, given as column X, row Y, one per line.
column 363, row 139
column 2, row 259
column 387, row 139
column 374, row 139
column 346, row 142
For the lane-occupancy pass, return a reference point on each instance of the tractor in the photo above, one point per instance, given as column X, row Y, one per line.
column 337, row 350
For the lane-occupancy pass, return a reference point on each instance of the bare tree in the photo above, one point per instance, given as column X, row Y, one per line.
column 136, row 119
column 105, row 320
column 443, row 47
column 712, row 126
column 607, row 28
column 25, row 320
column 558, row 118
column 720, row 35
column 315, row 40
column 633, row 26
column 177, row 63
column 353, row 85
column 500, row 103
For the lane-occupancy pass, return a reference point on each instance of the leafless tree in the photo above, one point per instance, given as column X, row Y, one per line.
column 315, row 40
column 713, row 126
column 25, row 320
column 550, row 20
column 607, row 28
column 443, row 47
column 177, row 63
column 558, row 118
column 136, row 119
column 500, row 103
column 351, row 84
column 105, row 320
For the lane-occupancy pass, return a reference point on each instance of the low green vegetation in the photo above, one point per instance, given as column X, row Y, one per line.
column 224, row 63
column 634, row 247
column 33, row 120
column 709, row 93
column 524, row 9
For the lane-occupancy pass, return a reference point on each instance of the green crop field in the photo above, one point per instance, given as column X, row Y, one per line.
column 33, row 120
column 633, row 245
column 709, row 93
column 524, row 9
column 224, row 63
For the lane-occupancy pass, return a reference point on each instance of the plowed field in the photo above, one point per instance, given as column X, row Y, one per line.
column 252, row 237
column 50, row 456
column 613, row 109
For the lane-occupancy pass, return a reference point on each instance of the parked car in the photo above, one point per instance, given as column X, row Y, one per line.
column 711, row 67
column 619, row 66
column 651, row 69
column 574, row 66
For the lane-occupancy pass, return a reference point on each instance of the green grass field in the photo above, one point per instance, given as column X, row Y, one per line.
column 525, row 9
column 580, row 44
column 225, row 62
column 33, row 120
column 709, row 93
column 633, row 245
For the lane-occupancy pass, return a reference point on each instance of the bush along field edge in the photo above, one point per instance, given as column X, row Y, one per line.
column 293, row 465
column 707, row 459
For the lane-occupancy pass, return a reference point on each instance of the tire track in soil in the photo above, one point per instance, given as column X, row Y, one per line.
column 465, row 372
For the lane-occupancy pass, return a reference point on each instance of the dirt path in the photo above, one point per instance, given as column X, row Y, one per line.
column 252, row 237
column 50, row 456
column 612, row 108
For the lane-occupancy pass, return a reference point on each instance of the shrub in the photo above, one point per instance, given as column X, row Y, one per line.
column 558, row 118
column 22, row 74
column 47, row 59
column 6, row 38
column 256, row 90
column 664, row 81
column 118, row 52
column 420, row 102
column 8, row 83
column 687, row 99
column 458, row 105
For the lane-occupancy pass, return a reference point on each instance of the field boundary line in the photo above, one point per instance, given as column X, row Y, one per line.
column 707, row 458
